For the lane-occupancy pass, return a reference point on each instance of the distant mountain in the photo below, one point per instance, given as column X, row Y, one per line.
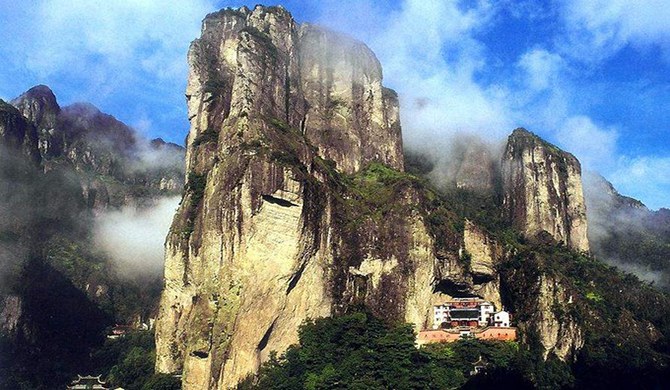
column 625, row 233
column 60, row 170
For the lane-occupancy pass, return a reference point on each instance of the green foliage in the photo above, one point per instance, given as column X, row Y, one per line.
column 128, row 362
column 132, row 371
column 614, row 311
column 280, row 125
column 594, row 296
column 358, row 351
column 162, row 382
column 374, row 190
column 73, row 260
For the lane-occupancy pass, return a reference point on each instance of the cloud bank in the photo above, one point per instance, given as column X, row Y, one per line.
column 441, row 58
column 134, row 237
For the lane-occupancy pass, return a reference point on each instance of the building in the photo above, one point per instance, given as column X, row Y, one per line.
column 479, row 366
column 430, row 336
column 471, row 312
column 501, row 319
column 87, row 382
column 119, row 331
column 467, row 317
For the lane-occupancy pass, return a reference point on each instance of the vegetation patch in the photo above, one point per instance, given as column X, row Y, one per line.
column 129, row 362
column 359, row 351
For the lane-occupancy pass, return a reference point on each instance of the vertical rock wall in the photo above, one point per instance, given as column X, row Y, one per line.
column 253, row 249
column 543, row 190
column 296, row 205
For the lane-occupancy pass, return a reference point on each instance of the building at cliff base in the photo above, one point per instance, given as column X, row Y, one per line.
column 430, row 336
column 467, row 317
column 470, row 312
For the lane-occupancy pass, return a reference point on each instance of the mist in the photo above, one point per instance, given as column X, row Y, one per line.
column 616, row 222
column 133, row 236
column 34, row 206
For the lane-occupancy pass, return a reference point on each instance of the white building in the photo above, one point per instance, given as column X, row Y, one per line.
column 470, row 312
column 440, row 315
column 501, row 319
column 485, row 309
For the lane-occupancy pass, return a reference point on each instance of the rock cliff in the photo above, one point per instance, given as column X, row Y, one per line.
column 39, row 106
column 297, row 206
column 543, row 190
column 16, row 133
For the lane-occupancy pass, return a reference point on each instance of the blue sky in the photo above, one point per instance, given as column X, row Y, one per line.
column 592, row 76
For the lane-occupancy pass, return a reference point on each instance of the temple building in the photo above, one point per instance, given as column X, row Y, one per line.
column 87, row 382
column 471, row 312
column 467, row 317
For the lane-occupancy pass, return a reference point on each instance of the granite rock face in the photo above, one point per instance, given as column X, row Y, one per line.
column 296, row 203
column 543, row 190
column 39, row 106
column 17, row 134
column 290, row 128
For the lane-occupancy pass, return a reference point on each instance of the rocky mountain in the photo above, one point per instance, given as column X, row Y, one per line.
column 115, row 165
column 17, row 133
column 297, row 206
column 543, row 190
column 625, row 233
column 61, row 170
column 299, row 203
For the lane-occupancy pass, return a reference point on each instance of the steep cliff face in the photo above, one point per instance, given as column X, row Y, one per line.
column 39, row 106
column 626, row 234
column 296, row 205
column 543, row 190
column 477, row 169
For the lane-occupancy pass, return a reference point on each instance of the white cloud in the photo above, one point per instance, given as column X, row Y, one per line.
column 593, row 145
column 431, row 57
column 542, row 68
column 599, row 28
column 105, row 47
column 644, row 177
column 134, row 237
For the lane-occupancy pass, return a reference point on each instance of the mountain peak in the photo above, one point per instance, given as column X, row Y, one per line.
column 543, row 189
column 40, row 106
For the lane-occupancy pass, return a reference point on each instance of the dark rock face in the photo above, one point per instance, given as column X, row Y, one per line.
column 96, row 145
column 16, row 133
column 543, row 190
column 59, row 168
column 39, row 106
column 625, row 233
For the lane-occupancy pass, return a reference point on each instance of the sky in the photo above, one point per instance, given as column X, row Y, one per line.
column 591, row 76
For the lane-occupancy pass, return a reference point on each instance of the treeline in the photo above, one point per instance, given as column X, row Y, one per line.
column 359, row 351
